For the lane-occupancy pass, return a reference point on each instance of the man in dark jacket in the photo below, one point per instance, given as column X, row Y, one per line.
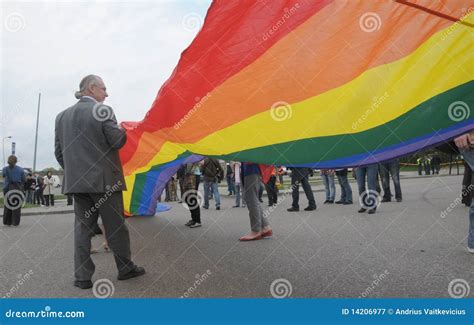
column 213, row 174
column 86, row 146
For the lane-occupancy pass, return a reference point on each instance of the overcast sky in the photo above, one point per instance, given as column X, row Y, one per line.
column 48, row 46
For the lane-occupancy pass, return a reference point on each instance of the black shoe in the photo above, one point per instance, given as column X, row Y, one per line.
column 310, row 208
column 83, row 284
column 137, row 271
column 292, row 209
column 236, row 206
column 339, row 202
column 189, row 223
column 371, row 211
column 195, row 225
column 399, row 200
column 331, row 201
column 386, row 200
column 261, row 201
column 362, row 210
column 327, row 201
column 218, row 208
column 205, row 207
column 347, row 203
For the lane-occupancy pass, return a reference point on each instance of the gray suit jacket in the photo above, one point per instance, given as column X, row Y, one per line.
column 86, row 147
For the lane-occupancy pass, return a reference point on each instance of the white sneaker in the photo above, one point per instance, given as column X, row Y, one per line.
column 470, row 250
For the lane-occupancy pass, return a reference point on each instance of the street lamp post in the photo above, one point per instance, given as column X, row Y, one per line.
column 3, row 148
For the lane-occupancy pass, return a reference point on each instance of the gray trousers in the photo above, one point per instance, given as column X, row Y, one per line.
column 251, row 187
column 87, row 208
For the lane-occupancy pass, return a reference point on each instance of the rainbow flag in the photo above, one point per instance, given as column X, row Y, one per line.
column 320, row 83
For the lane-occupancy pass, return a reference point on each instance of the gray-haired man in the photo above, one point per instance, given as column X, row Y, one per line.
column 86, row 146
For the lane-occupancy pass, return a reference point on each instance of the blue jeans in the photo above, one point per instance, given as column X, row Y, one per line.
column 230, row 184
column 469, row 157
column 371, row 172
column 211, row 186
column 346, row 191
column 328, row 180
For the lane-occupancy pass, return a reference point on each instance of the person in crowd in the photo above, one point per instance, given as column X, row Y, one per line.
column 272, row 189
column 190, row 195
column 368, row 199
column 427, row 165
column 346, row 191
column 39, row 197
column 465, row 143
column 236, row 168
column 48, row 181
column 281, row 172
column 196, row 171
column 300, row 175
column 419, row 163
column 435, row 164
column 230, row 180
column 30, row 188
column 260, row 227
column 328, row 180
column 466, row 193
column 390, row 169
column 91, row 172
column 70, row 199
column 13, row 186
column 261, row 188
column 180, row 176
column 213, row 174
